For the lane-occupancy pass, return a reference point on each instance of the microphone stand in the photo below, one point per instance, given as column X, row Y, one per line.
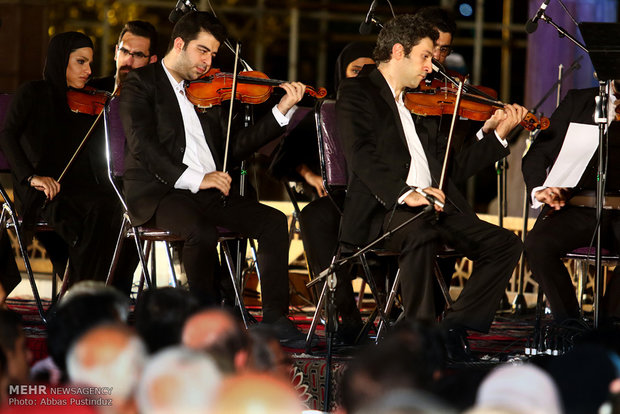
column 601, row 118
column 562, row 32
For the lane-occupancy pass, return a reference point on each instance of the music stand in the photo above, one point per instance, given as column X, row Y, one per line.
column 603, row 43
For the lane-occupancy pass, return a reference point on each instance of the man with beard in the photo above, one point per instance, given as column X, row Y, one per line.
column 136, row 47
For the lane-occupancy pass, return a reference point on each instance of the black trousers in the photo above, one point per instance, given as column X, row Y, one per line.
column 495, row 252
column 196, row 217
column 555, row 235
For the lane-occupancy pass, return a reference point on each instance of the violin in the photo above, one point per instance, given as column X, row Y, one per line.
column 88, row 100
column 477, row 104
column 253, row 87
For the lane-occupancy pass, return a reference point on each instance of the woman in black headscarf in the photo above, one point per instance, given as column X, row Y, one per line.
column 297, row 159
column 39, row 137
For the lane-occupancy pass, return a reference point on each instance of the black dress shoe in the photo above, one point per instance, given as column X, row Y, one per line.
column 457, row 346
column 287, row 333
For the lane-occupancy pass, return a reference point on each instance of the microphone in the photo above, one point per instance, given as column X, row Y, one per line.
column 182, row 7
column 366, row 26
column 532, row 24
column 429, row 197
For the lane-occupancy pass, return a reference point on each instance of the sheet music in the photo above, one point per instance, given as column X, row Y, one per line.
column 579, row 145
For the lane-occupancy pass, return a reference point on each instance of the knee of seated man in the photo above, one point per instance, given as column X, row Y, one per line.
column 203, row 233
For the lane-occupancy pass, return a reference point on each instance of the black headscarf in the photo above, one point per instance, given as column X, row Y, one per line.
column 58, row 51
column 350, row 52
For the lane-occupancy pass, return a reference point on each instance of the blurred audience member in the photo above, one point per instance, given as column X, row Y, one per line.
column 407, row 402
column 178, row 381
column 411, row 358
column 583, row 377
column 13, row 345
column 266, row 354
column 256, row 393
column 217, row 333
column 161, row 314
column 85, row 305
column 109, row 355
column 519, row 389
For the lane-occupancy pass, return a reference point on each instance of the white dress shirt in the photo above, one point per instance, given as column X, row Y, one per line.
column 197, row 155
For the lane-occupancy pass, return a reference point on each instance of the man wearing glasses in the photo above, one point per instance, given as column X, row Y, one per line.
column 136, row 47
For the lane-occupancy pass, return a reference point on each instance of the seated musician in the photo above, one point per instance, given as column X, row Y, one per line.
column 388, row 159
column 562, row 226
column 174, row 178
column 136, row 47
column 297, row 158
column 40, row 135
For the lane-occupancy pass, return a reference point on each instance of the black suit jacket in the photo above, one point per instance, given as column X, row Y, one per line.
column 578, row 106
column 378, row 158
column 153, row 126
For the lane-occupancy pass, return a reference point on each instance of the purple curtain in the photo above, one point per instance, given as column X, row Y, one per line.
column 546, row 50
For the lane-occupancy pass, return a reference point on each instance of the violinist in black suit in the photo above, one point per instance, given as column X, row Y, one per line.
column 389, row 162
column 174, row 162
column 563, row 226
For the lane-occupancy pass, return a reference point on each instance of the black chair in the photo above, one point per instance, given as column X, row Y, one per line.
column 334, row 173
column 582, row 258
column 115, row 147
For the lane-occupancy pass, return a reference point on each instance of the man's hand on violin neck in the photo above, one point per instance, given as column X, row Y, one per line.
column 294, row 92
column 216, row 179
column 505, row 120
column 555, row 197
column 48, row 185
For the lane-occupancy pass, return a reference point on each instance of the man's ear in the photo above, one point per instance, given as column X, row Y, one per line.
column 115, row 52
column 179, row 44
column 398, row 51
column 153, row 59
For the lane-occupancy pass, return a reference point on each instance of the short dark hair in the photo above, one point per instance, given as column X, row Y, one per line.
column 10, row 329
column 438, row 17
column 406, row 29
column 190, row 25
column 142, row 29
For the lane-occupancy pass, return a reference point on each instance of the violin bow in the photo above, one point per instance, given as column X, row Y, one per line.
column 230, row 112
column 459, row 93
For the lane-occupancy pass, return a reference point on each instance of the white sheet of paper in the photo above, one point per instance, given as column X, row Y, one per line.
column 579, row 145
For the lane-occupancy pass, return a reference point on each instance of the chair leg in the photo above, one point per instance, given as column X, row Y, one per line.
column 373, row 288
column 315, row 318
column 145, row 271
column 360, row 297
column 119, row 245
column 581, row 266
column 445, row 290
column 24, row 252
column 173, row 275
column 389, row 304
column 153, row 258
column 232, row 272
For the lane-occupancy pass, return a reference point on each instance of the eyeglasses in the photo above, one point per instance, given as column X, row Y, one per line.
column 443, row 50
column 135, row 55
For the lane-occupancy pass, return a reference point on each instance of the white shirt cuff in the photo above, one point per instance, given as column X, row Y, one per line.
column 189, row 180
column 283, row 120
column 502, row 141
column 401, row 199
column 535, row 202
